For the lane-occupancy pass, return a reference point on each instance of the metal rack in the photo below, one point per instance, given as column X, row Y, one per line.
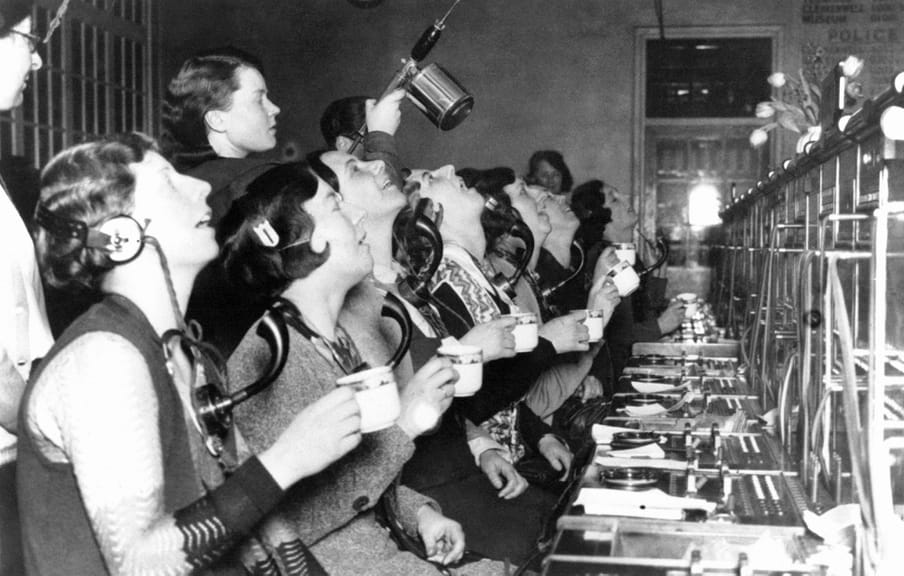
column 811, row 276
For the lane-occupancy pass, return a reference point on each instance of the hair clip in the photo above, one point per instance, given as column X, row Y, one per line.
column 266, row 235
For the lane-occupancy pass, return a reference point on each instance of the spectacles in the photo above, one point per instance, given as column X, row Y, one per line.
column 33, row 40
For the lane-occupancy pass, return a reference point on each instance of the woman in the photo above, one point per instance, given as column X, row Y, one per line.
column 217, row 121
column 217, row 114
column 464, row 287
column 290, row 237
column 478, row 488
column 562, row 377
column 113, row 477
column 561, row 259
column 548, row 169
column 608, row 218
column 24, row 331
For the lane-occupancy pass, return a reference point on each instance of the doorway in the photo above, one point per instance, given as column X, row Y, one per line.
column 697, row 91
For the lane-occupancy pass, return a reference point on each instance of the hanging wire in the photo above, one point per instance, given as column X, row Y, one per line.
column 660, row 18
column 56, row 21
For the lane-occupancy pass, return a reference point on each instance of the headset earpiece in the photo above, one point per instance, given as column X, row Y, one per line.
column 121, row 237
column 414, row 287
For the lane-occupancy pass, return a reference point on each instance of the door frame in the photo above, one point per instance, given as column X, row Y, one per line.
column 647, row 210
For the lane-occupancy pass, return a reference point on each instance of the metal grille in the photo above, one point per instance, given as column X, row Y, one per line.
column 97, row 78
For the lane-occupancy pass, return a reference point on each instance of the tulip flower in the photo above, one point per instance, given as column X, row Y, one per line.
column 758, row 137
column 777, row 79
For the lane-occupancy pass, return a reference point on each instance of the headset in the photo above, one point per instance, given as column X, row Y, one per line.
column 213, row 406
column 550, row 290
column 662, row 248
column 121, row 237
column 505, row 283
column 392, row 308
column 419, row 227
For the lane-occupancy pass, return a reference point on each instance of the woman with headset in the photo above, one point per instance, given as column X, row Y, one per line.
column 114, row 475
column 294, row 238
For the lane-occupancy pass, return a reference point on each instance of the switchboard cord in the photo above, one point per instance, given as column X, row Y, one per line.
column 856, row 436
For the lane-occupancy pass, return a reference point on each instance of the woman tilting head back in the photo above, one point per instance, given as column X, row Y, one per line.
column 294, row 236
column 113, row 477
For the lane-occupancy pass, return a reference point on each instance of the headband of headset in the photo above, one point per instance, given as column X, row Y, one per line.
column 121, row 237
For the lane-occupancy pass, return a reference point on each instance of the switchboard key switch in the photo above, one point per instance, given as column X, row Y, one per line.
column 745, row 499
column 744, row 567
column 755, row 446
column 696, row 566
column 691, row 488
column 774, row 495
column 760, row 495
column 725, row 477
column 897, row 364
column 838, row 476
column 798, row 498
column 716, row 439
column 894, row 412
column 688, row 435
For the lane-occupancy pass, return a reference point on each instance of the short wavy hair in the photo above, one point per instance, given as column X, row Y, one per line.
column 90, row 183
column 553, row 158
column 498, row 215
column 277, row 196
column 589, row 204
column 343, row 117
column 205, row 82
column 12, row 12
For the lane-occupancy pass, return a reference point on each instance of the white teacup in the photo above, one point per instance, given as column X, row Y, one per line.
column 377, row 396
column 468, row 362
column 626, row 252
column 625, row 278
column 525, row 331
column 691, row 303
column 594, row 323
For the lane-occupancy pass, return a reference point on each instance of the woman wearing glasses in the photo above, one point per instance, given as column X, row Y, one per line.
column 24, row 331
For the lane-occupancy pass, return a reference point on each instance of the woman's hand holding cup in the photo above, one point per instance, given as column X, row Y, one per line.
column 604, row 296
column 426, row 396
column 621, row 272
column 495, row 338
column 604, row 263
column 672, row 317
column 567, row 333
column 322, row 433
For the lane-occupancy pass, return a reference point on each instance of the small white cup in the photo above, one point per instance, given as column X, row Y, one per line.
column 691, row 303
column 625, row 278
column 594, row 323
column 525, row 331
column 468, row 362
column 626, row 252
column 377, row 396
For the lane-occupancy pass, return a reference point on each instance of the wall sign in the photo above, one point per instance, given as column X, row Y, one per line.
column 870, row 29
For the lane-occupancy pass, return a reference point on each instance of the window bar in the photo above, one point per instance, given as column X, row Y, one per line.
column 66, row 84
column 83, row 73
column 107, row 86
